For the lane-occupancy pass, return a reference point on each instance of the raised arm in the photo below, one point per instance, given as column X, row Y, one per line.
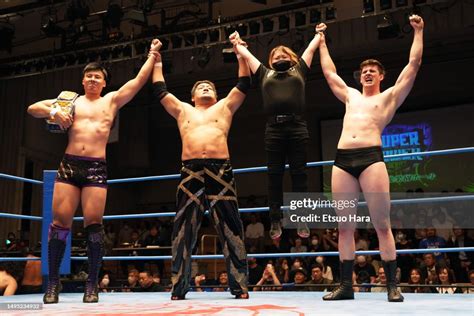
column 337, row 85
column 407, row 77
column 313, row 45
column 241, row 50
column 171, row 104
column 236, row 96
column 42, row 109
column 123, row 95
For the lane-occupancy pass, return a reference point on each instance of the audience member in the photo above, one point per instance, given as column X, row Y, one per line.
column 461, row 262
column 254, row 235
column 433, row 241
column 446, row 278
column 298, row 247
column 318, row 279
column 132, row 281
column 298, row 277
column 255, row 271
column 269, row 280
column 416, row 278
column 282, row 270
column 145, row 279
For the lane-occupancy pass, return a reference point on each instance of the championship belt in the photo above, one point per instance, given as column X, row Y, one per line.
column 64, row 103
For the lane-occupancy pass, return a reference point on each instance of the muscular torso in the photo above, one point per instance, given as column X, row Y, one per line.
column 32, row 273
column 90, row 130
column 365, row 119
column 204, row 131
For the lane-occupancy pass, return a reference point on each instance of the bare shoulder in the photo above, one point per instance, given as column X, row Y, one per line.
column 353, row 94
column 388, row 96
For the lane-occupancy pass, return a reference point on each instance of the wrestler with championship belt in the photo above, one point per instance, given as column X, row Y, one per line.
column 207, row 180
column 64, row 103
column 82, row 174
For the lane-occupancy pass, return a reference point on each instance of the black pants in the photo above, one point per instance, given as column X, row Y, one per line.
column 208, row 184
column 285, row 142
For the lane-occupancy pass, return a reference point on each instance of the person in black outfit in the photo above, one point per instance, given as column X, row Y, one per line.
column 286, row 133
column 147, row 284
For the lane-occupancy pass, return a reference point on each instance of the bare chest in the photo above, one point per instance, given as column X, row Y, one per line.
column 95, row 112
column 372, row 106
column 208, row 118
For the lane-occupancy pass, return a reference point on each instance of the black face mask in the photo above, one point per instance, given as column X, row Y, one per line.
column 282, row 65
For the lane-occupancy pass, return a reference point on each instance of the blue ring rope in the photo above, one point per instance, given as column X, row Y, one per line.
column 264, row 255
column 247, row 210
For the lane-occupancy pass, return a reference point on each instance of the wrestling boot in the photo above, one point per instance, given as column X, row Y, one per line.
column 303, row 230
column 56, row 246
column 390, row 269
column 95, row 252
column 345, row 290
column 275, row 230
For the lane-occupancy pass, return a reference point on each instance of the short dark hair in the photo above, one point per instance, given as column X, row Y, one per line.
column 148, row 273
column 193, row 90
column 372, row 62
column 317, row 265
column 97, row 66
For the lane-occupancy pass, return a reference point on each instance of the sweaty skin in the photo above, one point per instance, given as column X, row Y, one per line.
column 205, row 126
column 204, row 129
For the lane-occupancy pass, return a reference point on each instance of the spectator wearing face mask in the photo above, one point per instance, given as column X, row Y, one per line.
column 314, row 244
column 132, row 281
column 365, row 268
column 104, row 283
column 405, row 260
